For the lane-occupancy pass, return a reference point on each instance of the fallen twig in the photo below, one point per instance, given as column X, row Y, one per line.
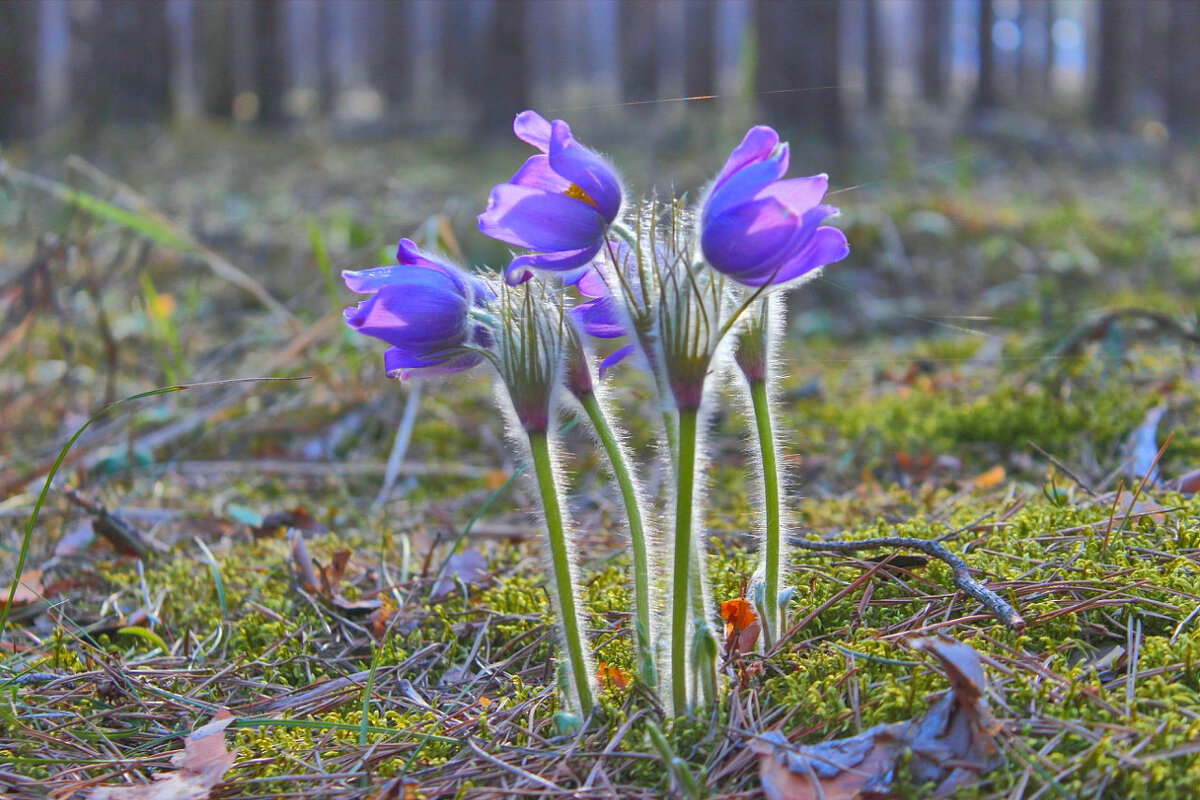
column 124, row 537
column 1095, row 329
column 993, row 602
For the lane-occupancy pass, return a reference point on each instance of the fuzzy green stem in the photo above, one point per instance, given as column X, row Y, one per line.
column 563, row 584
column 685, row 466
column 637, row 538
column 772, row 536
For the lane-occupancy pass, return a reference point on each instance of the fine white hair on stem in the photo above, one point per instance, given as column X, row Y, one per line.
column 519, row 439
column 589, row 406
column 758, row 360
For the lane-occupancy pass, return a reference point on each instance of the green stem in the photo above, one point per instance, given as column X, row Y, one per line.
column 637, row 538
column 563, row 584
column 772, row 537
column 685, row 465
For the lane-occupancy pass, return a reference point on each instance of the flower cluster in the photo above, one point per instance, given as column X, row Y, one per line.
column 692, row 291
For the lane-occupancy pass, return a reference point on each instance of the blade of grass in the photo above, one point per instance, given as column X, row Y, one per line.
column 62, row 454
column 163, row 329
column 316, row 241
column 152, row 226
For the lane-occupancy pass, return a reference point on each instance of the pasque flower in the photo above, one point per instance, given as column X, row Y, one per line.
column 600, row 316
column 422, row 308
column 761, row 230
column 559, row 203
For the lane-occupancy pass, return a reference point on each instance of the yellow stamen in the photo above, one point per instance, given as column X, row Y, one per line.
column 580, row 194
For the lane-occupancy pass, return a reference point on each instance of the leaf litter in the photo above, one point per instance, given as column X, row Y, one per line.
column 200, row 766
column 949, row 745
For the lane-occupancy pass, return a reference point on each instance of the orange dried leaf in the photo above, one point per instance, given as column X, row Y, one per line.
column 738, row 614
column 989, row 479
column 612, row 676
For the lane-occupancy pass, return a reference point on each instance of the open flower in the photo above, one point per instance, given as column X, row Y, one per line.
column 421, row 307
column 759, row 229
column 559, row 203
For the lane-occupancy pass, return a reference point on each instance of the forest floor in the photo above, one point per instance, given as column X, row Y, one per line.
column 1007, row 363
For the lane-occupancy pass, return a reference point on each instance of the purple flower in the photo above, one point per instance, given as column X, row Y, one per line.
column 758, row 229
column 600, row 316
column 421, row 307
column 559, row 203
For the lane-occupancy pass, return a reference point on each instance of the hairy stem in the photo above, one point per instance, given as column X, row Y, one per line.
column 772, row 551
column 564, row 585
column 637, row 539
column 685, row 465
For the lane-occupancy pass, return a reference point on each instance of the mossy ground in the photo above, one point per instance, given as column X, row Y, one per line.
column 939, row 412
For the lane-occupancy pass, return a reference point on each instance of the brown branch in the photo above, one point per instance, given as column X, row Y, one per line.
column 1095, row 329
column 993, row 602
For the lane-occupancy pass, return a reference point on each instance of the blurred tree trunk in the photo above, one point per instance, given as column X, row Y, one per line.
column 457, row 58
column 875, row 58
column 1113, row 91
column 505, row 74
column 216, row 58
column 392, row 52
column 699, row 57
column 798, row 58
column 639, row 62
column 1050, row 53
column 1028, row 85
column 327, row 68
column 1183, row 88
column 131, row 64
column 1153, row 57
column 935, row 40
column 182, row 17
column 18, row 69
column 985, row 86
column 270, row 61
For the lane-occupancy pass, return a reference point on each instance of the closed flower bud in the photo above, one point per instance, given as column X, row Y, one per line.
column 422, row 307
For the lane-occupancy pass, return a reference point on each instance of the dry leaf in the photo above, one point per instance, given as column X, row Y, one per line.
column 494, row 479
column 277, row 521
column 1142, row 446
column 377, row 622
column 325, row 581
column 76, row 540
column 302, row 562
column 400, row 788
column 618, row 678
column 29, row 589
column 469, row 566
column 949, row 744
column 202, row 764
column 1187, row 483
column 741, row 625
column 990, row 478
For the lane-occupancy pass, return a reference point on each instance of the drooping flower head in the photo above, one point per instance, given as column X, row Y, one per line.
column 761, row 230
column 559, row 203
column 600, row 316
column 422, row 308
